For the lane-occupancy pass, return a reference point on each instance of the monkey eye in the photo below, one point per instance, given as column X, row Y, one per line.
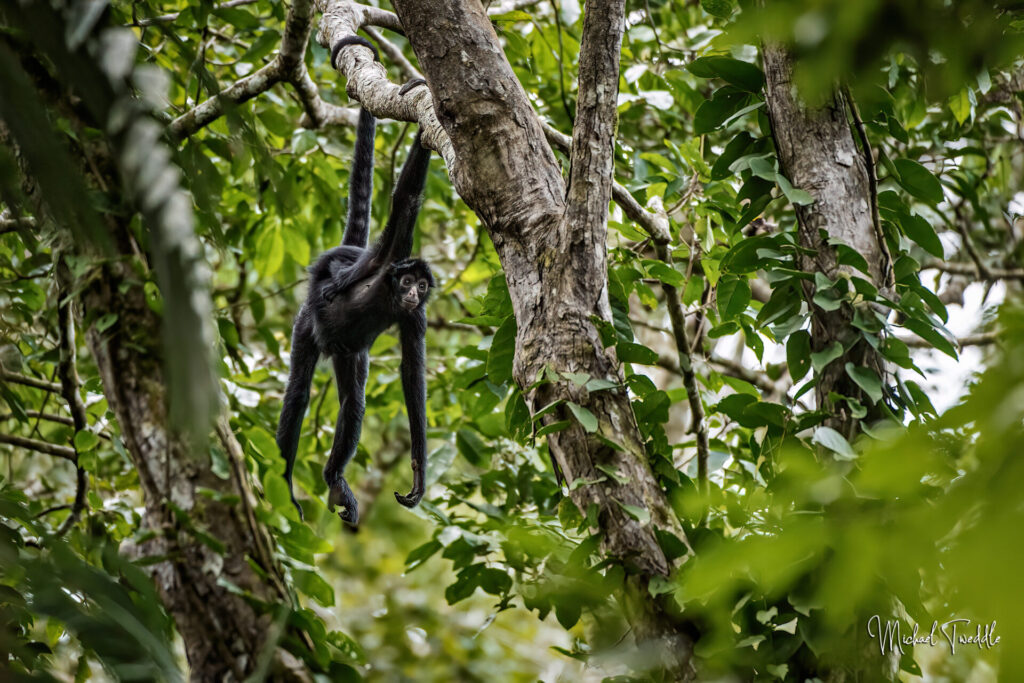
column 423, row 285
column 406, row 280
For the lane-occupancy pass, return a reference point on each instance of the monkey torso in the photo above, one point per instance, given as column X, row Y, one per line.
column 352, row 320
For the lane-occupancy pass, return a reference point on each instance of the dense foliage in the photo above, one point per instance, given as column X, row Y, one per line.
column 805, row 530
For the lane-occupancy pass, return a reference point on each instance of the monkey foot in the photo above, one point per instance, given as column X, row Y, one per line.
column 411, row 500
column 343, row 498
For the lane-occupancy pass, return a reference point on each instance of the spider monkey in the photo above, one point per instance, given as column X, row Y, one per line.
column 355, row 293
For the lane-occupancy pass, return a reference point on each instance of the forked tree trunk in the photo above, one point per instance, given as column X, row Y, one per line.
column 554, row 254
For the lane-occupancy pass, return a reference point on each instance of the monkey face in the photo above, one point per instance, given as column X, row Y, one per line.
column 411, row 280
column 412, row 290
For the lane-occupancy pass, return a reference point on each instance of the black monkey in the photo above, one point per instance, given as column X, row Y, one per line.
column 355, row 293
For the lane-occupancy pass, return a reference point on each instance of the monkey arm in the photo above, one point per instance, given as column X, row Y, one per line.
column 414, row 385
column 343, row 277
column 395, row 242
column 303, row 364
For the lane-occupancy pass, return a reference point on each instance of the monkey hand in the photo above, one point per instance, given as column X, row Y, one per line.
column 411, row 500
column 329, row 291
column 341, row 495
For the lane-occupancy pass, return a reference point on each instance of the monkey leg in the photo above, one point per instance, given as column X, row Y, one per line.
column 305, row 354
column 350, row 373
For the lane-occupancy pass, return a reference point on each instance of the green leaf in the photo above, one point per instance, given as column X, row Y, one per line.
column 517, row 417
column 553, row 427
column 918, row 180
column 314, row 585
column 105, row 321
column 598, row 384
column 733, row 296
column 262, row 46
column 718, row 8
column 630, row 352
column 583, row 416
column 931, row 335
column 798, row 354
column 921, row 231
column 960, row 104
column 613, row 473
column 743, row 75
column 734, row 150
column 514, row 15
column 502, row 353
column 866, row 379
column 835, row 442
column 303, row 140
column 85, row 441
column 495, row 581
column 276, row 491
column 567, row 611
column 665, row 273
column 638, row 513
column 822, row 358
column 763, row 168
column 713, row 113
column 793, row 194
column 269, row 253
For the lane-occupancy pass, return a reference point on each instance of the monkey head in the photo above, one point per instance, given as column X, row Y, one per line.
column 411, row 282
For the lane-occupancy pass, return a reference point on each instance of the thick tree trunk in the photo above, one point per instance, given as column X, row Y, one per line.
column 554, row 257
column 207, row 543
column 205, row 547
column 817, row 153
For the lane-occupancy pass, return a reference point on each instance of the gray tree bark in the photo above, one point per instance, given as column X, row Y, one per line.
column 552, row 250
column 817, row 153
column 204, row 548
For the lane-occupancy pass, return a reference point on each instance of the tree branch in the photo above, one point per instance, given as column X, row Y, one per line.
column 168, row 18
column 65, row 452
column 15, row 224
column 593, row 137
column 980, row 339
column 678, row 319
column 654, row 224
column 49, row 417
column 288, row 66
column 956, row 268
column 241, row 91
column 67, row 371
column 393, row 52
column 18, row 378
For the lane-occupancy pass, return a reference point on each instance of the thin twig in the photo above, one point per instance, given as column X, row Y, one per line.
column 888, row 274
column 45, row 447
column 561, row 64
column 678, row 319
column 18, row 378
column 49, row 417
column 67, row 370
column 393, row 52
column 965, row 237
column 980, row 339
column 957, row 268
column 168, row 18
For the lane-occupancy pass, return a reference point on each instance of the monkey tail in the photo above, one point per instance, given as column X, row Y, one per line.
column 360, row 188
column 360, row 185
